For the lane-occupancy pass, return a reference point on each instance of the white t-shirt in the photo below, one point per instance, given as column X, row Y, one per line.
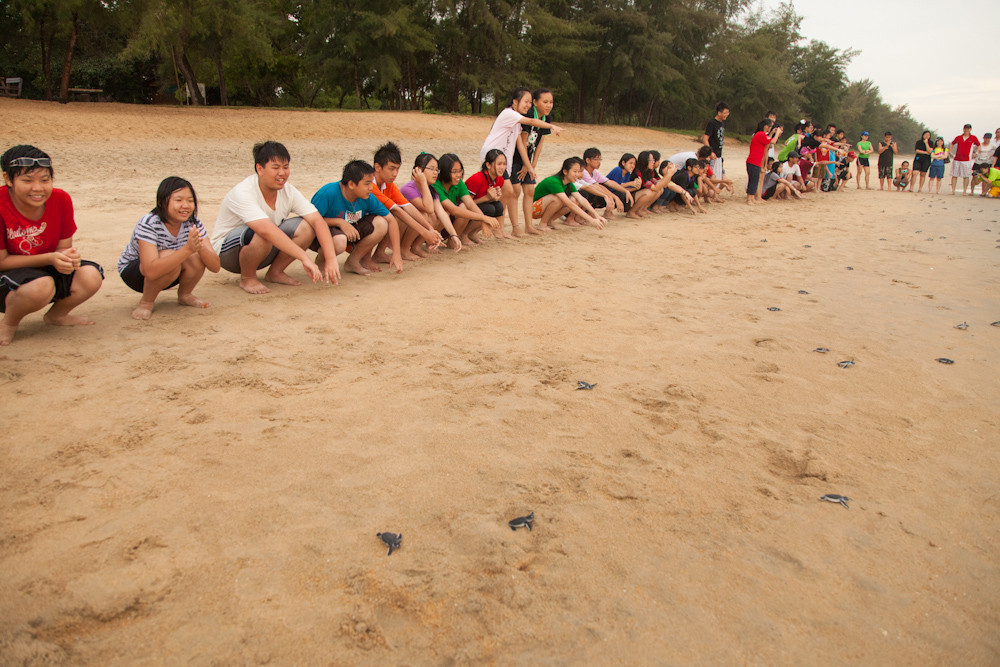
column 503, row 135
column 680, row 159
column 245, row 203
column 986, row 151
column 790, row 172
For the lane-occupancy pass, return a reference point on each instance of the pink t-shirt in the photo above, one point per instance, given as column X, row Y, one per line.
column 964, row 151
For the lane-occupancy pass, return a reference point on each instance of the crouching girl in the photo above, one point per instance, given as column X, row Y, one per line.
column 169, row 248
column 556, row 196
column 38, row 263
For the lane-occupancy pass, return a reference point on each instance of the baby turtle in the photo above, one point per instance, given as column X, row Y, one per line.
column 822, row 350
column 802, row 291
column 836, row 498
column 850, row 268
column 763, row 240
column 522, row 522
column 963, row 326
column 944, row 360
column 391, row 540
column 807, row 246
column 773, row 309
column 845, row 364
column 883, row 239
column 995, row 324
column 580, row 384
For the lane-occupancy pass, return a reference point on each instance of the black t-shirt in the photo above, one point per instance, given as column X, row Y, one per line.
column 921, row 157
column 885, row 158
column 682, row 179
column 535, row 135
column 716, row 131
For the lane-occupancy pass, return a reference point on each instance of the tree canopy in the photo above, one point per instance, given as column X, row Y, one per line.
column 661, row 63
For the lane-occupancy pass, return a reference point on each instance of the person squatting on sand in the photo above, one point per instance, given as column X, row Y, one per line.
column 169, row 248
column 39, row 264
column 254, row 229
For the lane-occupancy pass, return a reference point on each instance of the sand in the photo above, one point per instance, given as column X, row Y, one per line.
column 206, row 487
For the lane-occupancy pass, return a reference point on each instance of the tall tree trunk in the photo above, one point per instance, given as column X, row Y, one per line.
column 46, row 46
column 649, row 112
column 357, row 83
column 224, row 97
column 604, row 100
column 192, row 81
column 68, row 62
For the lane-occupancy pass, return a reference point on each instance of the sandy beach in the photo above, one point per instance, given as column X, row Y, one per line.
column 206, row 487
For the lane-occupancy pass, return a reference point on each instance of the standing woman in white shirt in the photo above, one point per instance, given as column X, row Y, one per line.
column 506, row 135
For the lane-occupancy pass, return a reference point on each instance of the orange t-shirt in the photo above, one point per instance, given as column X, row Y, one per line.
column 389, row 195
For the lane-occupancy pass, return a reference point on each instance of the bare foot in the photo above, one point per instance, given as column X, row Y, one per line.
column 419, row 252
column 516, row 232
column 66, row 320
column 7, row 334
column 370, row 264
column 381, row 258
column 410, row 256
column 355, row 266
column 143, row 311
column 530, row 229
column 281, row 278
column 189, row 300
column 253, row 286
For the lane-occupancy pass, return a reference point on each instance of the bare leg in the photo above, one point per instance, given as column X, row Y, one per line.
column 509, row 198
column 360, row 261
column 152, row 288
column 303, row 236
column 192, row 269
column 86, row 282
column 29, row 298
column 251, row 255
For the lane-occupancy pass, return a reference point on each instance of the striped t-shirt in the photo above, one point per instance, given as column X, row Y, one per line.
column 152, row 230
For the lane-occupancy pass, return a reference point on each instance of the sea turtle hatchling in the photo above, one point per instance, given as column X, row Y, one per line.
column 963, row 326
column 846, row 364
column 822, row 350
column 391, row 540
column 995, row 324
column 773, row 309
column 945, row 360
column 836, row 498
column 802, row 291
column 522, row 522
column 580, row 384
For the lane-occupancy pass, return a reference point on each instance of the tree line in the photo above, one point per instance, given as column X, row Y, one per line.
column 652, row 63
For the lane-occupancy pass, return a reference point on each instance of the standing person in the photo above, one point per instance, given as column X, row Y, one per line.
column 357, row 219
column 259, row 225
column 921, row 160
column 939, row 153
column 39, row 264
column 865, row 149
column 715, row 136
column 887, row 150
column 963, row 151
column 541, row 109
column 984, row 158
column 755, row 160
column 506, row 135
column 794, row 142
column 169, row 248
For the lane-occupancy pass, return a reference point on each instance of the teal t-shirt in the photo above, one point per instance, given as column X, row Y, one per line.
column 551, row 186
column 455, row 194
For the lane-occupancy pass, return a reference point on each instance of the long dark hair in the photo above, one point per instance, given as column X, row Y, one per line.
column 642, row 166
column 625, row 158
column 568, row 164
column 445, row 163
column 169, row 186
column 491, row 157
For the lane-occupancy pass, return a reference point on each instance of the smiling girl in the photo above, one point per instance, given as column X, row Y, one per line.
column 169, row 248
column 38, row 262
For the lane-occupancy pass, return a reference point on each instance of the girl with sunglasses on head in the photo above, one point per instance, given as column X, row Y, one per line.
column 169, row 248
column 39, row 264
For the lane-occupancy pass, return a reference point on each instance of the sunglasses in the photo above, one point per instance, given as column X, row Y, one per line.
column 31, row 162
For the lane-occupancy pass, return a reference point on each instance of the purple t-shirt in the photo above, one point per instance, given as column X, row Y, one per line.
column 411, row 191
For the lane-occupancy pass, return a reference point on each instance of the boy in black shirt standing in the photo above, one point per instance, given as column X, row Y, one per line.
column 715, row 136
column 886, row 152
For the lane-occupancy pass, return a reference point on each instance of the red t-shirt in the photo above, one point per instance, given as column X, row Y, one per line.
column 758, row 147
column 479, row 183
column 964, row 150
column 36, row 237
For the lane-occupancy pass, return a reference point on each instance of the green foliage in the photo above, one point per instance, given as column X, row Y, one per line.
column 657, row 63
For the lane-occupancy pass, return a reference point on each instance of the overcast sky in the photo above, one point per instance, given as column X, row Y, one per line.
column 944, row 86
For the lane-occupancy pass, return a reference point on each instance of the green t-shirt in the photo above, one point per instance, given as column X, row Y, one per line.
column 551, row 186
column 455, row 194
column 790, row 145
column 864, row 148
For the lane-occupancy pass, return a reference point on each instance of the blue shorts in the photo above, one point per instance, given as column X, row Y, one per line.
column 936, row 170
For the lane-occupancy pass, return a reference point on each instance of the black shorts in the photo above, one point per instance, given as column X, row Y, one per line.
column 494, row 209
column 621, row 196
column 922, row 163
column 365, row 226
column 769, row 192
column 594, row 200
column 515, row 168
column 15, row 278
column 862, row 162
column 132, row 276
